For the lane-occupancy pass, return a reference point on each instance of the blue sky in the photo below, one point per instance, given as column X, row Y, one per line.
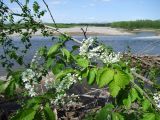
column 78, row 11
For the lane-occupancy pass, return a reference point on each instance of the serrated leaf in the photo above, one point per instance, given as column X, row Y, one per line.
column 91, row 76
column 82, row 62
column 121, row 78
column 145, row 105
column 134, row 94
column 49, row 62
column 114, row 88
column 26, row 114
column 84, row 73
column 57, row 68
column 3, row 85
column 106, row 77
column 127, row 102
column 32, row 102
column 66, row 53
column 149, row 116
column 63, row 73
column 53, row 49
column 49, row 114
column 99, row 72
column 10, row 88
column 117, row 116
column 104, row 112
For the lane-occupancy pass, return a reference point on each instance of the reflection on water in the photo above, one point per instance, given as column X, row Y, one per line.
column 140, row 43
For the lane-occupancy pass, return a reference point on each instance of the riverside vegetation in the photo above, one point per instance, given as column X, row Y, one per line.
column 89, row 60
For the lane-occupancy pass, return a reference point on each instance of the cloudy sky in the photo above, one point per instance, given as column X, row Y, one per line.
column 78, row 11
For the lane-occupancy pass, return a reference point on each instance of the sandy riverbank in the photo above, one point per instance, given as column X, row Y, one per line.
column 90, row 31
column 96, row 31
column 93, row 30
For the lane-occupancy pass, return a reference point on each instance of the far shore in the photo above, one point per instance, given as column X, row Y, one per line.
column 92, row 30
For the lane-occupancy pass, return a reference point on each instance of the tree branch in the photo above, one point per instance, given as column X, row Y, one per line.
column 142, row 78
column 85, row 32
column 143, row 93
column 50, row 14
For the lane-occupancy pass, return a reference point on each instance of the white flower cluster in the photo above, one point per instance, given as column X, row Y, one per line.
column 110, row 58
column 48, row 80
column 156, row 98
column 85, row 46
column 98, row 53
column 35, row 59
column 64, row 85
column 29, row 79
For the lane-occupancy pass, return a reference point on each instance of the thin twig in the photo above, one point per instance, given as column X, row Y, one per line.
column 142, row 78
column 143, row 93
column 50, row 14
column 85, row 32
column 56, row 28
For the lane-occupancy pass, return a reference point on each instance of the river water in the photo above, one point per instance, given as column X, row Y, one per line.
column 139, row 43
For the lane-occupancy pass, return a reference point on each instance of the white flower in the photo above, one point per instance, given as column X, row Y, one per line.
column 85, row 46
column 28, row 86
column 28, row 77
column 156, row 98
column 64, row 85
column 98, row 52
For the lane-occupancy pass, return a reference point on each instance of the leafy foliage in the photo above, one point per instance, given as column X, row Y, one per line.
column 129, row 96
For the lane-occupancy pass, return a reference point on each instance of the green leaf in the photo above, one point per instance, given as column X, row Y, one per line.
column 121, row 78
column 3, row 85
column 145, row 105
column 36, row 7
column 64, row 73
column 54, row 49
column 26, row 114
column 106, row 77
column 33, row 102
column 127, row 102
column 66, row 53
column 49, row 114
column 49, row 62
column 10, row 88
column 57, row 68
column 117, row 116
column 104, row 112
column 114, row 88
column 99, row 72
column 149, row 116
column 82, row 62
column 75, row 47
column 91, row 76
column 84, row 73
column 134, row 94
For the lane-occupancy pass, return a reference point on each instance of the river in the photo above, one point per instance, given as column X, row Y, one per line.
column 139, row 43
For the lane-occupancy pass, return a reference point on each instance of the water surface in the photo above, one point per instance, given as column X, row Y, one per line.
column 140, row 43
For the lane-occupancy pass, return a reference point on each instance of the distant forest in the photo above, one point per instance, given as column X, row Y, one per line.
column 130, row 25
column 137, row 24
column 154, row 24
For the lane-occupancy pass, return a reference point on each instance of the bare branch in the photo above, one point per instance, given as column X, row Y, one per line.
column 52, row 28
column 85, row 32
column 56, row 28
column 142, row 78
column 50, row 14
